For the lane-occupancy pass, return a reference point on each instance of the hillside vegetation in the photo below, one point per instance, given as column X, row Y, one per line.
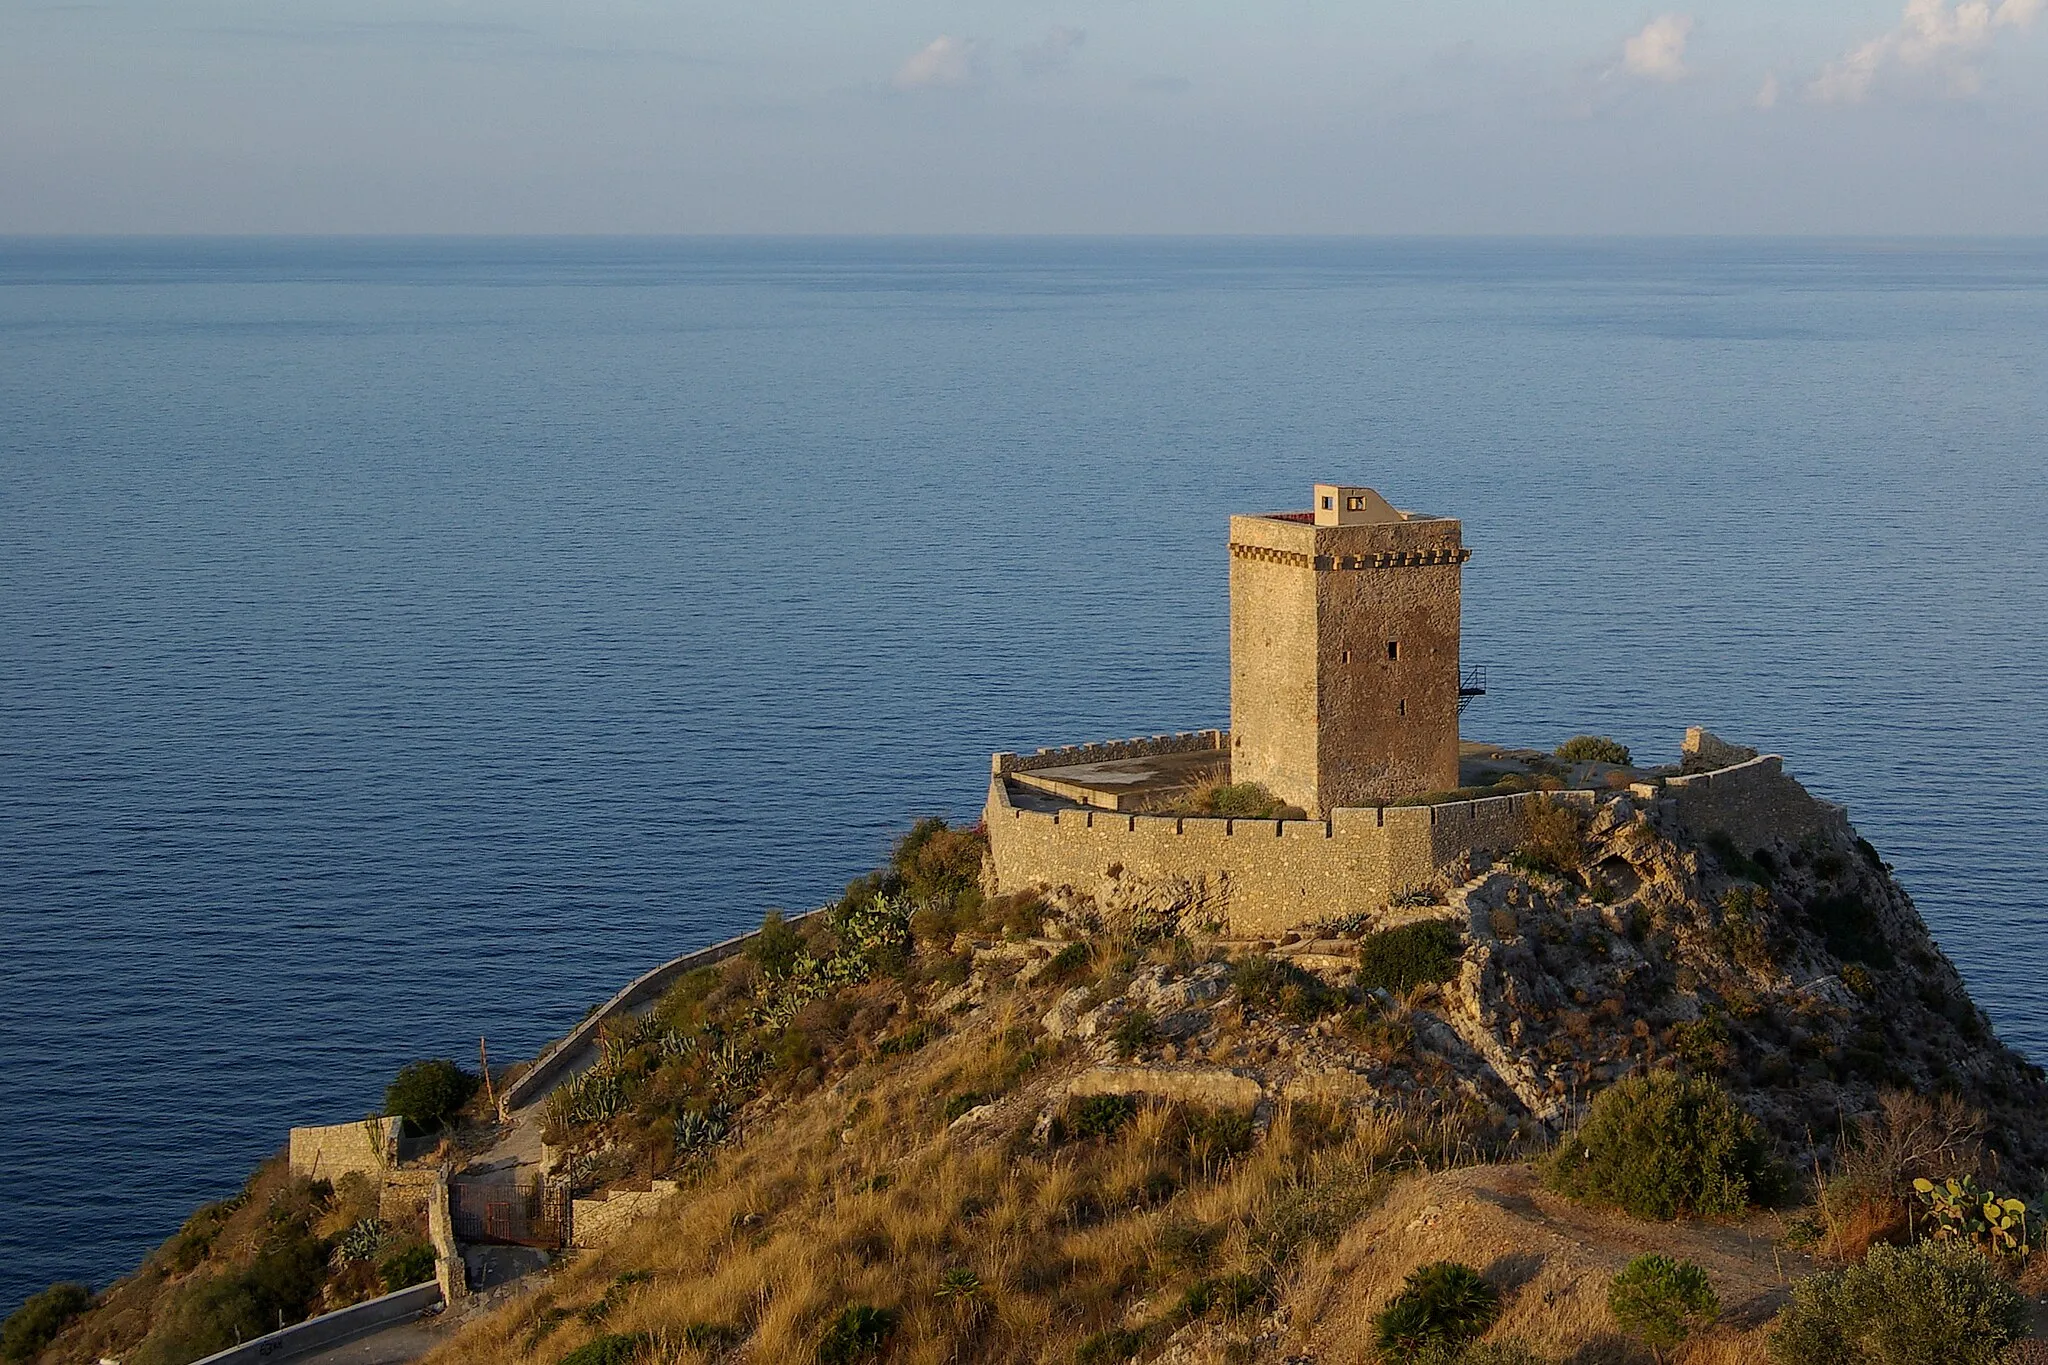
column 934, row 1127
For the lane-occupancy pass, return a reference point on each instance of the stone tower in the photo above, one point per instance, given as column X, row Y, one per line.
column 1344, row 651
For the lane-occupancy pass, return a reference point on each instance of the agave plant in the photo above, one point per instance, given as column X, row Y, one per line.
column 698, row 1130
column 361, row 1241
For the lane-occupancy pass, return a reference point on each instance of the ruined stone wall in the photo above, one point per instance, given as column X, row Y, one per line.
column 1753, row 803
column 329, row 1152
column 1253, row 876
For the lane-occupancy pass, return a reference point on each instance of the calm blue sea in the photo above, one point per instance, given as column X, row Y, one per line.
column 402, row 641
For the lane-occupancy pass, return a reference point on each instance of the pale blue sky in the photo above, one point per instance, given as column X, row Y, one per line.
column 1314, row 116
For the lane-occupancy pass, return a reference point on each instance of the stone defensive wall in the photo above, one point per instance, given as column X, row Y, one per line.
column 1256, row 877
column 1753, row 803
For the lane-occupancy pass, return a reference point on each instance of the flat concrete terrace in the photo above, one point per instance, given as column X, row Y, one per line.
column 1131, row 785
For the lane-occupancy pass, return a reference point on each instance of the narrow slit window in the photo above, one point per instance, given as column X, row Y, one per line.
column 1393, row 649
column 1344, row 657
column 1401, row 707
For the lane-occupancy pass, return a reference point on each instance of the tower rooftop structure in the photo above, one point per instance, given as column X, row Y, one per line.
column 1344, row 624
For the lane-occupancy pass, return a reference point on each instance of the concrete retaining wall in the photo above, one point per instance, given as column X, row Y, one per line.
column 1254, row 876
column 560, row 1061
column 365, row 1147
column 333, row 1329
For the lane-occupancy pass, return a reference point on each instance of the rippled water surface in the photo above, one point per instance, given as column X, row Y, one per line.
column 407, row 641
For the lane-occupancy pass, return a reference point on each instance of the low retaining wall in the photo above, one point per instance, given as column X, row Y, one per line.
column 333, row 1329
column 1145, row 746
column 1256, row 877
column 597, row 1223
column 554, row 1066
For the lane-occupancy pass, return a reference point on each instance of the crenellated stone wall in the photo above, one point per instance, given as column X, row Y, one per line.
column 1252, row 877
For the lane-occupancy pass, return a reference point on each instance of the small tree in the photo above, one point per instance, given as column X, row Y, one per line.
column 1662, row 1146
column 1441, row 1305
column 1938, row 1303
column 427, row 1094
column 1661, row 1301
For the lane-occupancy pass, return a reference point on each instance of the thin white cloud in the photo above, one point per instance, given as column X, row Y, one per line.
column 944, row 63
column 1767, row 93
column 1055, row 50
column 1658, row 52
column 1934, row 41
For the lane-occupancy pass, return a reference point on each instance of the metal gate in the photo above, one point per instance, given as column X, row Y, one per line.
column 535, row 1214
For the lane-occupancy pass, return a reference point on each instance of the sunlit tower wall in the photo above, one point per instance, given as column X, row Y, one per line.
column 1344, row 628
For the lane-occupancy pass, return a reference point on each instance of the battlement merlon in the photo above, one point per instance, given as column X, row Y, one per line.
column 1413, row 540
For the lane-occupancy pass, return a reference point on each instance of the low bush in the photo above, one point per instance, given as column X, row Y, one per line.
column 1267, row 983
column 1069, row 965
column 40, row 1318
column 427, row 1094
column 1421, row 954
column 406, row 1267
column 1443, row 1304
column 1662, row 1146
column 1134, row 1032
column 1242, row 801
column 856, row 1335
column 1932, row 1304
column 1592, row 749
column 613, row 1348
column 939, row 863
column 1661, row 1301
column 1230, row 1295
column 1099, row 1116
column 1554, row 839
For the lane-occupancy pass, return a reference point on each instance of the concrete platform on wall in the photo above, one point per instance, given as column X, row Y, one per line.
column 1147, row 783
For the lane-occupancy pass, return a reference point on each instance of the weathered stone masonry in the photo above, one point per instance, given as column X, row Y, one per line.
column 1255, row 876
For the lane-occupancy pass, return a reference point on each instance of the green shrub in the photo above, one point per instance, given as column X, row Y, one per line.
column 857, row 1334
column 613, row 1348
column 427, row 1094
column 280, row 1287
column 1100, row 1115
column 776, row 948
column 1134, row 1032
column 1554, row 838
column 938, row 862
column 1069, row 965
column 1421, row 954
column 1661, row 1146
column 1443, row 1304
column 1661, row 1301
column 1242, row 801
column 1278, row 987
column 40, row 1318
column 1109, row 1347
column 1230, row 1295
column 1592, row 749
column 1480, row 1353
column 406, row 1267
column 1931, row 1304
